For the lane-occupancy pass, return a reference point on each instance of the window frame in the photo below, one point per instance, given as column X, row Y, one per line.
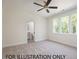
column 70, row 31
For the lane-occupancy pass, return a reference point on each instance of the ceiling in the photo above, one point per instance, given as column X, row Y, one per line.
column 27, row 5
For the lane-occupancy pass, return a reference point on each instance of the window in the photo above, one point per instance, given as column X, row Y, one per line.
column 74, row 22
column 66, row 24
column 55, row 25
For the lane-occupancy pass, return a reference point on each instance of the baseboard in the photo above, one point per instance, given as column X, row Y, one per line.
column 9, row 45
column 62, row 43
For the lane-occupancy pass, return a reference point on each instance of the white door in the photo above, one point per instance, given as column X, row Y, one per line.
column 30, row 31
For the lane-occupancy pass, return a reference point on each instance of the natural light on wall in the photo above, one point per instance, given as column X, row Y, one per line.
column 65, row 24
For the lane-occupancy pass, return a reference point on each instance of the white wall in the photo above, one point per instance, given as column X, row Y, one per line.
column 68, row 39
column 40, row 27
column 15, row 17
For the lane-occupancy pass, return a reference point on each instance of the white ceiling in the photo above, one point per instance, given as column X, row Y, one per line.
column 28, row 6
column 62, row 6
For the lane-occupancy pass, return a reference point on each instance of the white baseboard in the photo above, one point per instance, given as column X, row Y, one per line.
column 8, row 45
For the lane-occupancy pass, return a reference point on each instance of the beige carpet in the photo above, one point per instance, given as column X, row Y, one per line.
column 42, row 47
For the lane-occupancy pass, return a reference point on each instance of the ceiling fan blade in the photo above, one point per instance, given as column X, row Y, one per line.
column 47, row 10
column 54, row 7
column 45, row 2
column 38, row 4
column 48, row 1
column 40, row 9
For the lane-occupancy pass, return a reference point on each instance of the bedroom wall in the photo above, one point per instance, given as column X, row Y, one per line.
column 15, row 17
column 14, row 30
column 68, row 39
column 40, row 27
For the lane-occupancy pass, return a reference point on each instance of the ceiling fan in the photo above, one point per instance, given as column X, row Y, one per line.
column 46, row 6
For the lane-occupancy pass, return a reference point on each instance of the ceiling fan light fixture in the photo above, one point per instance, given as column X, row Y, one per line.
column 46, row 6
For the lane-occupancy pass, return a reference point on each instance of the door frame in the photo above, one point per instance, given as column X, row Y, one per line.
column 26, row 28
